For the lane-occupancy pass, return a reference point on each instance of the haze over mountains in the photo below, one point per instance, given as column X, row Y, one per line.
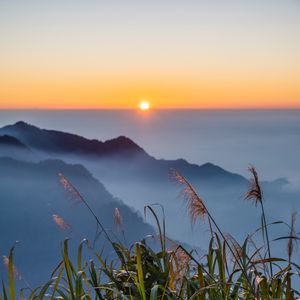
column 128, row 172
column 122, row 148
column 12, row 147
column 60, row 142
column 31, row 194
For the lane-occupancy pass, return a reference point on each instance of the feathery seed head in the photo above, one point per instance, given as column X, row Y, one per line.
column 118, row 218
column 59, row 221
column 255, row 191
column 16, row 273
column 195, row 204
column 69, row 188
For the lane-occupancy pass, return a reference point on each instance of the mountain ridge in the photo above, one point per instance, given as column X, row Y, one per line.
column 63, row 142
column 7, row 140
column 131, row 157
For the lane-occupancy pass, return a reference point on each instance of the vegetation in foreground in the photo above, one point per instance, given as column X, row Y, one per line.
column 228, row 270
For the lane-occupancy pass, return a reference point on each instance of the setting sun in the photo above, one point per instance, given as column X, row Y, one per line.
column 144, row 105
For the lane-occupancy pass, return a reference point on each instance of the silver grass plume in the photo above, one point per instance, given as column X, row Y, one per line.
column 255, row 191
column 195, row 204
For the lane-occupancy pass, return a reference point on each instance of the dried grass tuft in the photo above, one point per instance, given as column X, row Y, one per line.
column 179, row 265
column 182, row 262
column 236, row 249
column 17, row 274
column 255, row 191
column 118, row 219
column 195, row 204
column 59, row 221
column 69, row 188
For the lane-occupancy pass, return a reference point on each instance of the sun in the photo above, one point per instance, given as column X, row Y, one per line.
column 144, row 105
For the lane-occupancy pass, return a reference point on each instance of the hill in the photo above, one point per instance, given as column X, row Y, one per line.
column 31, row 194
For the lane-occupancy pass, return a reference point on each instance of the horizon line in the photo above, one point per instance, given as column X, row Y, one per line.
column 151, row 109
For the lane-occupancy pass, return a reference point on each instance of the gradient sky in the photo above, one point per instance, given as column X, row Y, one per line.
column 113, row 53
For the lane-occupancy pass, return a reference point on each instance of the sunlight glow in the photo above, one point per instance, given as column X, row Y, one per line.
column 144, row 105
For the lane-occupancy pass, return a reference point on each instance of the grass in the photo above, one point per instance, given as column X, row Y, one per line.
column 228, row 270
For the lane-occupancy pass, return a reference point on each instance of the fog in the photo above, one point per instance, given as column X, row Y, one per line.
column 269, row 139
column 30, row 195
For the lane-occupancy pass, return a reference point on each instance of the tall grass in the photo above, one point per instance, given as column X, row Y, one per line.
column 227, row 271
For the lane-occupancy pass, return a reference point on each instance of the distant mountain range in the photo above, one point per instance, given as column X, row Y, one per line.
column 120, row 151
column 62, row 142
column 130, row 173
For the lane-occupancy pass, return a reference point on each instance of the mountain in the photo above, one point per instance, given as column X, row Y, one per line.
column 9, row 141
column 31, row 194
column 12, row 147
column 66, row 143
column 136, row 177
column 119, row 153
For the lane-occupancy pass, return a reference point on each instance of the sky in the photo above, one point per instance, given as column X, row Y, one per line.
column 175, row 54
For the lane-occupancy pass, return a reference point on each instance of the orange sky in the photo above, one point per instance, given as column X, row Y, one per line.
column 183, row 55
